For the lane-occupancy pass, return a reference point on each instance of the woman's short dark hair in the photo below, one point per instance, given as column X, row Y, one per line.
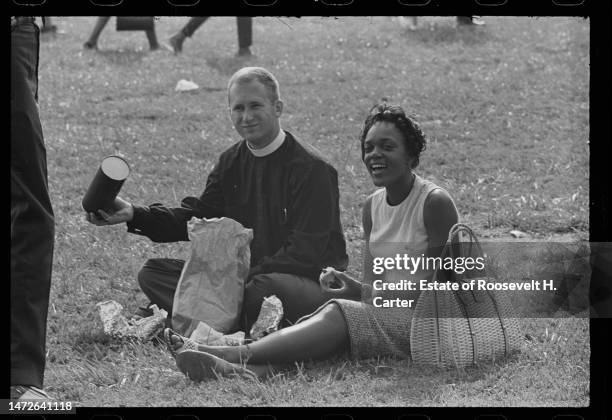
column 413, row 136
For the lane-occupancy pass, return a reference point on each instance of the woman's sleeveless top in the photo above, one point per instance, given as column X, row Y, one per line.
column 399, row 230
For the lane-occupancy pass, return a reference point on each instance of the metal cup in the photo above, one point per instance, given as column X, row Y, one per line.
column 105, row 186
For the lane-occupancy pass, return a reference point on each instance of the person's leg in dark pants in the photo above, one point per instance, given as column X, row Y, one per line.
column 464, row 20
column 152, row 38
column 92, row 42
column 245, row 35
column 158, row 279
column 48, row 26
column 176, row 40
column 193, row 24
column 32, row 220
column 470, row 21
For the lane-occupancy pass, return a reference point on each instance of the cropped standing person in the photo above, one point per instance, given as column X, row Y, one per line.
column 102, row 21
column 245, row 34
column 32, row 220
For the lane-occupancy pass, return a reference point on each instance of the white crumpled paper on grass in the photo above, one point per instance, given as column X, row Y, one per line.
column 117, row 325
column 185, row 86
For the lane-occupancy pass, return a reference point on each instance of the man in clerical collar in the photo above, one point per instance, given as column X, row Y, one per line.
column 269, row 182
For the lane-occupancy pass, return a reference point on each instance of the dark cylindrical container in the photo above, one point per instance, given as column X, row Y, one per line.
column 106, row 184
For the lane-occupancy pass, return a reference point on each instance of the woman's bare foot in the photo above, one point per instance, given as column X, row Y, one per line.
column 176, row 343
column 199, row 365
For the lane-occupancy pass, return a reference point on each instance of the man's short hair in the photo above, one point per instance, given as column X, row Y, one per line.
column 263, row 76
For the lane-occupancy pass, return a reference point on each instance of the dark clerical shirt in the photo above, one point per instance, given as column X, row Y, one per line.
column 289, row 198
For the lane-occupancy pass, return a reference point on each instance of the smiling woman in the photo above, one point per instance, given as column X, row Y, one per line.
column 391, row 143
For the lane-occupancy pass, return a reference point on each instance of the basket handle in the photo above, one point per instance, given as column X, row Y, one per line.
column 455, row 238
column 454, row 248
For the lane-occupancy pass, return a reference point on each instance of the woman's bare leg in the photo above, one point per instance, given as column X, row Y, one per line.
column 321, row 336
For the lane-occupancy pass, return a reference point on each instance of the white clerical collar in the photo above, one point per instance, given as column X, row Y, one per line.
column 270, row 148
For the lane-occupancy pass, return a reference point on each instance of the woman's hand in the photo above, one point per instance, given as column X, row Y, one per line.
column 122, row 211
column 339, row 283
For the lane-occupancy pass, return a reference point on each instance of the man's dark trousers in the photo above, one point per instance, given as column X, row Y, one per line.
column 300, row 296
column 32, row 221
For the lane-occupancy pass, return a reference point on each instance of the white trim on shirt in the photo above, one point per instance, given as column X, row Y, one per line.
column 270, row 148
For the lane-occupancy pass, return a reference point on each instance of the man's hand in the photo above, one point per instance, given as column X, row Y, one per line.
column 122, row 211
column 337, row 282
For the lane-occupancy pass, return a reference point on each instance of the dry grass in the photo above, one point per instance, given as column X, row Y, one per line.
column 506, row 111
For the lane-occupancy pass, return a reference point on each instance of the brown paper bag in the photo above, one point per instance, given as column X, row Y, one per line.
column 211, row 286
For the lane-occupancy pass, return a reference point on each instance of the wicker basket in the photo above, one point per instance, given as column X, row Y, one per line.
column 460, row 328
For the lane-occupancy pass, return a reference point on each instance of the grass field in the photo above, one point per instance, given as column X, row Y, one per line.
column 506, row 111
